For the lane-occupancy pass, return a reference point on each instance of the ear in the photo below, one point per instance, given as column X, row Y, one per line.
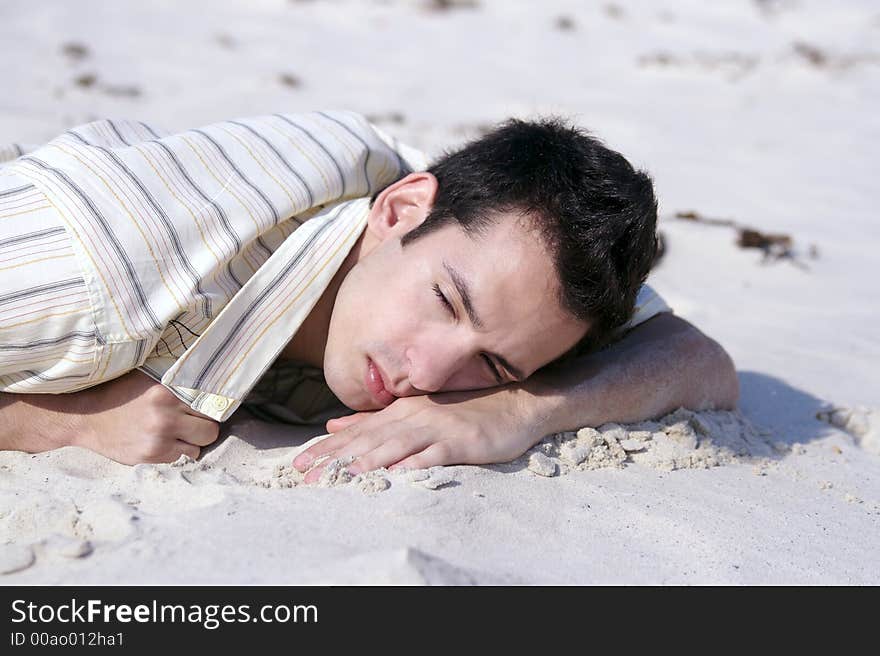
column 402, row 206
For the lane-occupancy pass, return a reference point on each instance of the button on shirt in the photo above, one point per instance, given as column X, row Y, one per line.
column 193, row 257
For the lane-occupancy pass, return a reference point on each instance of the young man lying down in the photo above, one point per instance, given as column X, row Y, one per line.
column 300, row 264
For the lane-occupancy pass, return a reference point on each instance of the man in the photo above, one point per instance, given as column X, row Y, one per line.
column 159, row 278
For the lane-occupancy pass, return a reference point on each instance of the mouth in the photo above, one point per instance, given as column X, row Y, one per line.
column 374, row 381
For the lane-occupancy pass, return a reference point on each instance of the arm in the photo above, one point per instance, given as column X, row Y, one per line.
column 131, row 419
column 658, row 366
column 34, row 422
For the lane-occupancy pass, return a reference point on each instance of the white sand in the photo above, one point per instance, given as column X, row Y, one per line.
column 680, row 504
column 760, row 112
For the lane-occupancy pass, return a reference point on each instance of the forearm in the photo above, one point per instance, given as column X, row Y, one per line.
column 36, row 422
column 659, row 366
column 131, row 419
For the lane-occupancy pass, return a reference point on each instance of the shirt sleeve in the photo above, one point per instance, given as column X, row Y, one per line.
column 412, row 159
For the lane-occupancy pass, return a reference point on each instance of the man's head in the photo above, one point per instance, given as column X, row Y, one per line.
column 536, row 235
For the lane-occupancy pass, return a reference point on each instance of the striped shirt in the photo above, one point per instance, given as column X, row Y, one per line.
column 193, row 257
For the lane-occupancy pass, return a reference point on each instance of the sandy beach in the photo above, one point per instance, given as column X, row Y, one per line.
column 754, row 116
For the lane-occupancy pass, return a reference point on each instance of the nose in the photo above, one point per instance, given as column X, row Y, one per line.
column 430, row 367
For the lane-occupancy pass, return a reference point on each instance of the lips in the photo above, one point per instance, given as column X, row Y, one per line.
column 375, row 384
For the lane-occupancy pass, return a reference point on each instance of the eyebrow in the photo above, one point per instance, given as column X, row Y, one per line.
column 463, row 289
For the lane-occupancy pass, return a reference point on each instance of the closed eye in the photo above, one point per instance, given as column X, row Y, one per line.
column 495, row 373
column 443, row 299
column 451, row 310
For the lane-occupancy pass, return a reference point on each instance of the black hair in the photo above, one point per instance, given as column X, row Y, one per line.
column 596, row 213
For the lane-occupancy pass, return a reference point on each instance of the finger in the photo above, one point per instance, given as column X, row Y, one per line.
column 185, row 448
column 174, row 450
column 439, row 453
column 197, row 431
column 341, row 423
column 326, row 446
column 194, row 413
column 353, row 449
column 364, row 443
column 387, row 453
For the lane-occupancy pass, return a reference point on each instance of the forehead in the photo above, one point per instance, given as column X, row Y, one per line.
column 508, row 255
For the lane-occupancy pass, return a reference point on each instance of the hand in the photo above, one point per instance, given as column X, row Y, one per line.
column 133, row 419
column 416, row 432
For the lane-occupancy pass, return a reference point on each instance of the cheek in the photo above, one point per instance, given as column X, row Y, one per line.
column 469, row 377
column 399, row 313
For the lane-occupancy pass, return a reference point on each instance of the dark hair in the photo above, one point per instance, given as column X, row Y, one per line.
column 596, row 213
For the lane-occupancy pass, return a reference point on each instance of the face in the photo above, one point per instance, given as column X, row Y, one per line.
column 447, row 312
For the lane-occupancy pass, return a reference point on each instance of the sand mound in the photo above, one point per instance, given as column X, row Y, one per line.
column 861, row 422
column 680, row 440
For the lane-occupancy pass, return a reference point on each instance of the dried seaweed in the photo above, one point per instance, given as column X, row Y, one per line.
column 775, row 246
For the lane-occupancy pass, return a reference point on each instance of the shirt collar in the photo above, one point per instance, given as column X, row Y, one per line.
column 219, row 369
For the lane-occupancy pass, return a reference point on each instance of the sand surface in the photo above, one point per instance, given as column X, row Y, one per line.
column 756, row 115
column 704, row 497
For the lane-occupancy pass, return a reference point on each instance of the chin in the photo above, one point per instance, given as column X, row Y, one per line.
column 348, row 393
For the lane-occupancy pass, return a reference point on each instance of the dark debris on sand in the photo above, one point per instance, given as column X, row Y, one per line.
column 442, row 6
column 290, row 80
column 822, row 59
column 86, row 80
column 564, row 24
column 75, row 51
column 395, row 118
column 775, row 246
column 613, row 11
column 226, row 41
column 90, row 81
column 121, row 90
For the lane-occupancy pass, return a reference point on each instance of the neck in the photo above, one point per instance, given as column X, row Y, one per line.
column 310, row 341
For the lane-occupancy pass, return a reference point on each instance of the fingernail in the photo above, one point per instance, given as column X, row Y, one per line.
column 302, row 460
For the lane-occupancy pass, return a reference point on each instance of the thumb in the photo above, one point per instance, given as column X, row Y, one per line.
column 341, row 423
